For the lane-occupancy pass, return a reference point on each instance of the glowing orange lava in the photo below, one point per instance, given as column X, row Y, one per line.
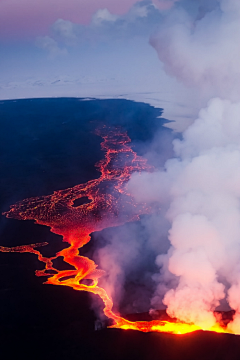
column 110, row 205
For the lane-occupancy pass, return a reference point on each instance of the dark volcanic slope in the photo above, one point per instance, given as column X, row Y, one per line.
column 74, row 342
column 46, row 145
column 49, row 144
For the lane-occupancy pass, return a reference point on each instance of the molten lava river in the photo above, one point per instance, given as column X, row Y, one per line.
column 110, row 205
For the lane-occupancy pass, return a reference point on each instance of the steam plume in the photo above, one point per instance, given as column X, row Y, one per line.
column 203, row 52
column 200, row 185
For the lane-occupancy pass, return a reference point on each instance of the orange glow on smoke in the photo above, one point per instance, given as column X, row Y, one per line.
column 110, row 205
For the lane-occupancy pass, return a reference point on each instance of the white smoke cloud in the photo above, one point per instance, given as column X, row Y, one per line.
column 203, row 53
column 201, row 184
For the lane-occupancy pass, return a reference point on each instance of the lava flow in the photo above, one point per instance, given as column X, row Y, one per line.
column 109, row 205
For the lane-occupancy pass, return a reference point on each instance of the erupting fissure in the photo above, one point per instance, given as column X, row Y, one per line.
column 109, row 205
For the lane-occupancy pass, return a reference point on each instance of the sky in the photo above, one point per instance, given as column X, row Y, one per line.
column 27, row 18
column 89, row 48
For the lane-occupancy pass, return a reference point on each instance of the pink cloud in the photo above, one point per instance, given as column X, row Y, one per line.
column 28, row 18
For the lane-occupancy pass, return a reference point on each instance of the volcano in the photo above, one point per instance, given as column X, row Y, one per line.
column 105, row 203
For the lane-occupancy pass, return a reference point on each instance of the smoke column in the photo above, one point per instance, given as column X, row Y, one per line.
column 200, row 47
column 201, row 183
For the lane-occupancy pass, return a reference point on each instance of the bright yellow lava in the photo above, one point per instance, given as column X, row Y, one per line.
column 165, row 326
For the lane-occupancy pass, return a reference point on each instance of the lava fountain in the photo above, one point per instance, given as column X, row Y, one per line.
column 109, row 205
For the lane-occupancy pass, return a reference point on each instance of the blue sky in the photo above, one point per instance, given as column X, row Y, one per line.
column 97, row 49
